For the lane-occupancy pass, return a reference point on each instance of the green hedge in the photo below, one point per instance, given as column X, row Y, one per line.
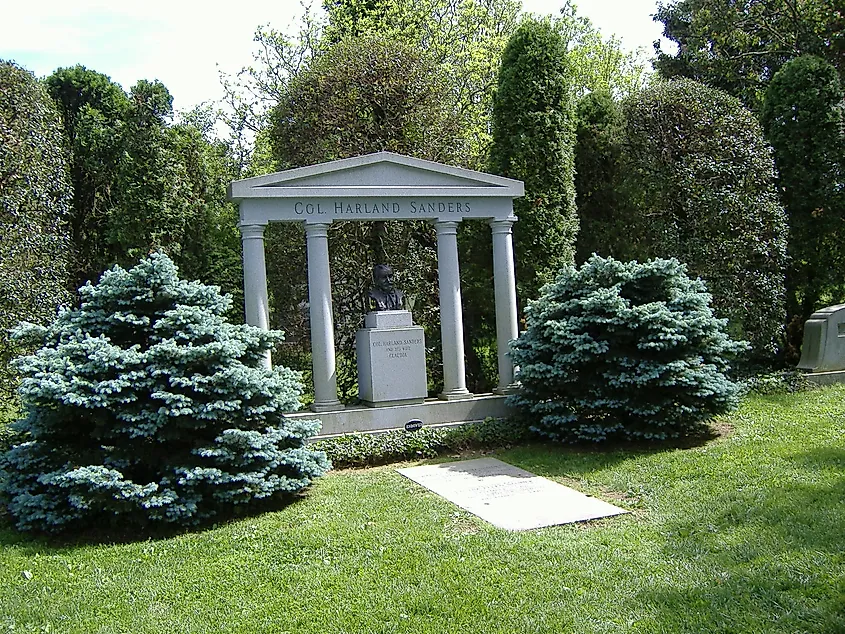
column 362, row 450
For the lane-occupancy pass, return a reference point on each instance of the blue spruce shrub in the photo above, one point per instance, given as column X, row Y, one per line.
column 145, row 406
column 623, row 350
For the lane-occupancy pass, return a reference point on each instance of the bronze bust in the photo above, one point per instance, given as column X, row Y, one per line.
column 383, row 295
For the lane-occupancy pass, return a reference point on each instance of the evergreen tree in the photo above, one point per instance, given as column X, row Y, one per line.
column 803, row 119
column 366, row 94
column 533, row 141
column 141, row 182
column 616, row 350
column 145, row 406
column 169, row 189
column 93, row 109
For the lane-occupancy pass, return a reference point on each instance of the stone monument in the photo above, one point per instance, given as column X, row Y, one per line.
column 390, row 348
column 823, row 348
column 376, row 187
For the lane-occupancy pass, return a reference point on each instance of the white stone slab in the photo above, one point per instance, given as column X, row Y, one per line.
column 506, row 496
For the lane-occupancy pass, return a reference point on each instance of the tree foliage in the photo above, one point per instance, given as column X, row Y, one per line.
column 594, row 64
column 35, row 197
column 615, row 350
column 803, row 117
column 365, row 94
column 606, row 220
column 160, row 200
column 250, row 94
column 533, row 141
column 597, row 63
column 93, row 109
column 142, row 183
column 145, row 406
column 701, row 181
column 739, row 46
column 464, row 38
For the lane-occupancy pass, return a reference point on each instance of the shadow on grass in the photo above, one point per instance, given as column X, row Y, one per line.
column 550, row 459
column 774, row 549
column 112, row 533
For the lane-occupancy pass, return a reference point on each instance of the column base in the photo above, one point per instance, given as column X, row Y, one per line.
column 395, row 403
column 507, row 389
column 329, row 406
column 455, row 395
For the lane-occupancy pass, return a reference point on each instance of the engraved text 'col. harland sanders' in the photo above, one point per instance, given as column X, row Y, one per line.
column 344, row 208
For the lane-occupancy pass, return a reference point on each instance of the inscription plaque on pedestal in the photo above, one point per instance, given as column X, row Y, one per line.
column 391, row 360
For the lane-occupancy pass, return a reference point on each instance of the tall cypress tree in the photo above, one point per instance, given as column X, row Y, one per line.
column 92, row 108
column 533, row 141
column 603, row 208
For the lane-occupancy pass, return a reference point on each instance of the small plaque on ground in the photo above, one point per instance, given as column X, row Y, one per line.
column 506, row 496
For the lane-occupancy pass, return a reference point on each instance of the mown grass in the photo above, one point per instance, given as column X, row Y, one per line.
column 742, row 534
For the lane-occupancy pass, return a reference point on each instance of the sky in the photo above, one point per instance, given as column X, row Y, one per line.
column 185, row 45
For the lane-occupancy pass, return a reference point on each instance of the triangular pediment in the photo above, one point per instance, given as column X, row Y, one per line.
column 379, row 174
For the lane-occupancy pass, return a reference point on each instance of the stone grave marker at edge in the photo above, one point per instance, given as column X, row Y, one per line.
column 823, row 348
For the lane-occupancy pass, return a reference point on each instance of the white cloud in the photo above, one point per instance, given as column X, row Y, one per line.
column 181, row 42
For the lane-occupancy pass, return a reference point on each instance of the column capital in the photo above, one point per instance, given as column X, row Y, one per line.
column 502, row 225
column 252, row 231
column 445, row 227
column 316, row 229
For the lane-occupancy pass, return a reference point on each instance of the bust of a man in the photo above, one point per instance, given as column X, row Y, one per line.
column 383, row 295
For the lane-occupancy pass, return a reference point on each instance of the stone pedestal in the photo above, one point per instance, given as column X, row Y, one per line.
column 391, row 360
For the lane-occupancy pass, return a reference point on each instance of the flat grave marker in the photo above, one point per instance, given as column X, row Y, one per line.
column 506, row 496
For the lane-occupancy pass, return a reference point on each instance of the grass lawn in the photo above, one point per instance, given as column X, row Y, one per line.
column 743, row 534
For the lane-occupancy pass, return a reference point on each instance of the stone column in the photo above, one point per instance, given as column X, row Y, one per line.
column 451, row 313
column 255, row 280
column 322, row 324
column 504, row 280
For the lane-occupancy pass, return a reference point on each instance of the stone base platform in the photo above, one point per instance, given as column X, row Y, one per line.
column 826, row 378
column 431, row 412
